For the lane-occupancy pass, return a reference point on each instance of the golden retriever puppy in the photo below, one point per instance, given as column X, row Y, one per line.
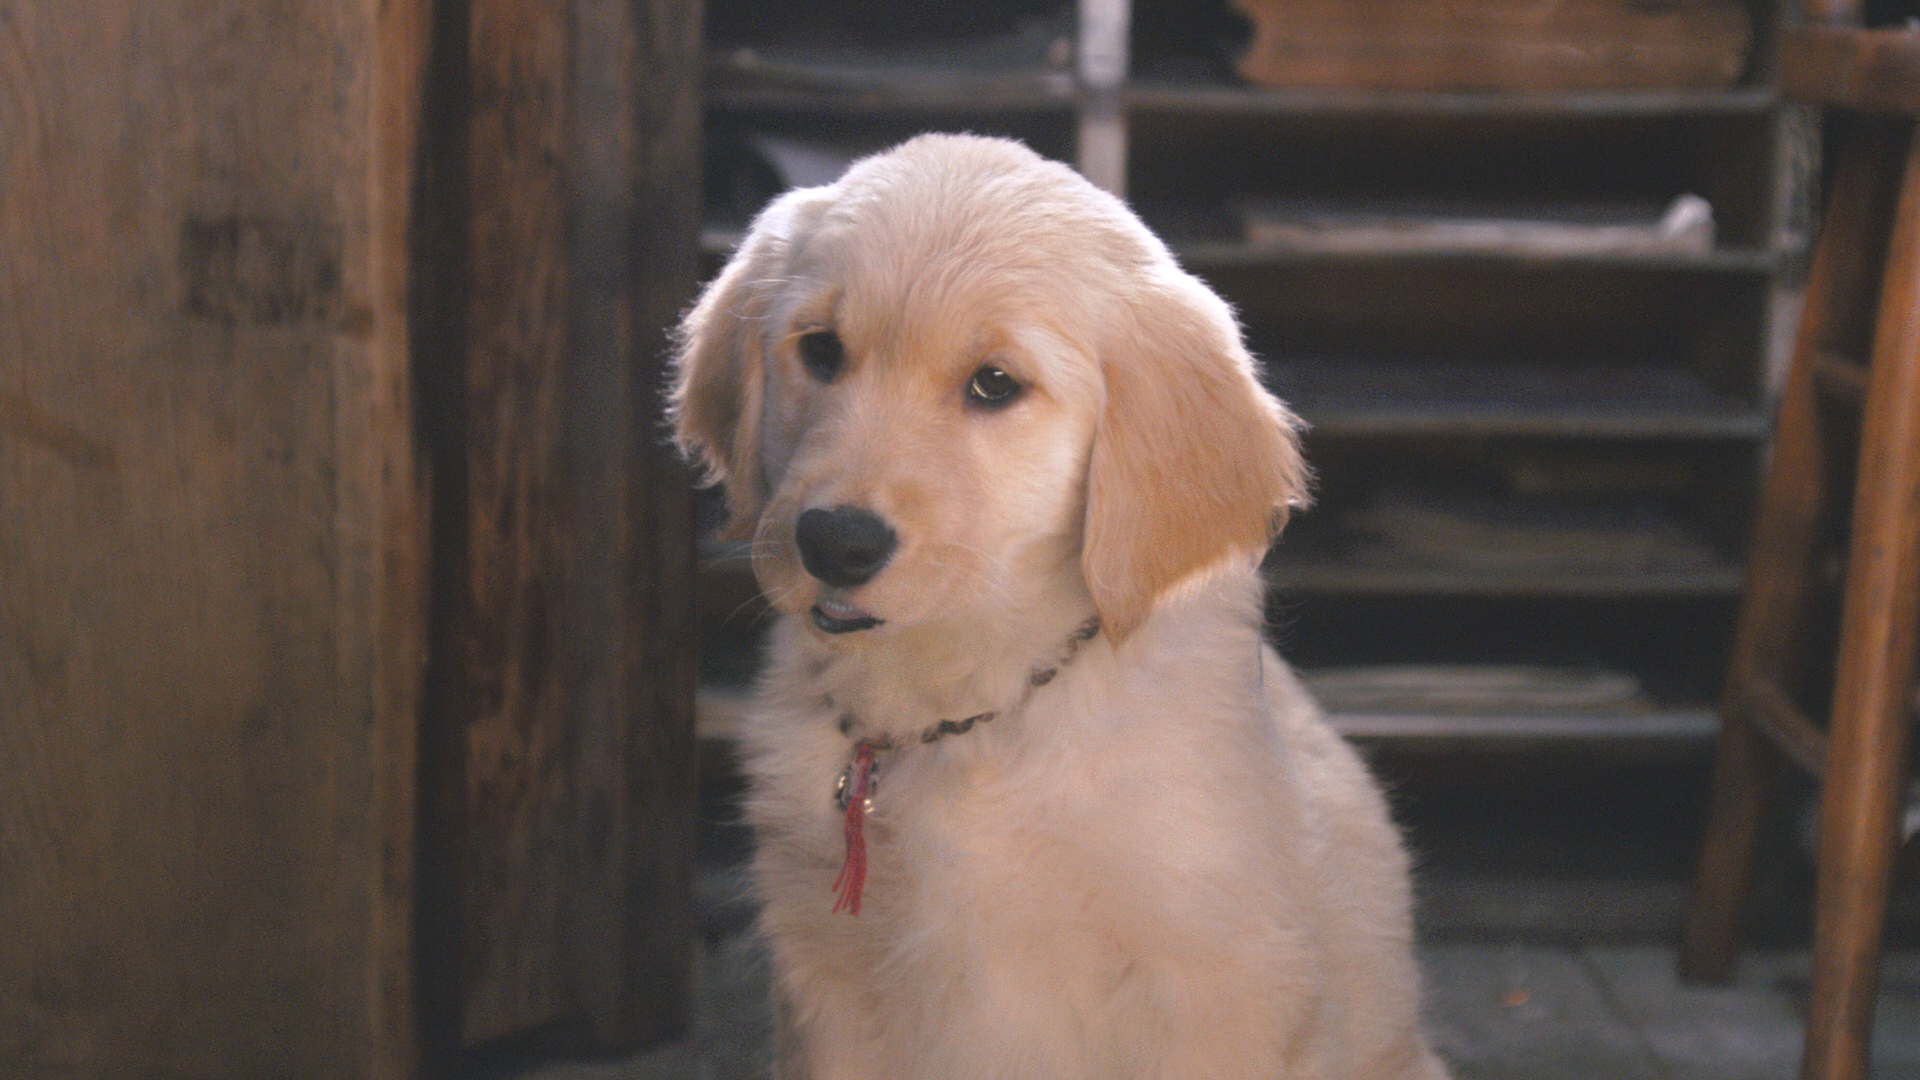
column 1032, row 796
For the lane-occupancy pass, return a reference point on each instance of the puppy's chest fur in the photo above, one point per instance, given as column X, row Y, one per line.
column 962, row 789
column 953, row 770
column 1036, row 873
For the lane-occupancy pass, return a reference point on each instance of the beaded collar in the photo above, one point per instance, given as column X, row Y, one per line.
column 933, row 733
column 858, row 782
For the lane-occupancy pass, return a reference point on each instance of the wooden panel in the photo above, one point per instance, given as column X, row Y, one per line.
column 209, row 539
column 384, row 472
column 559, row 756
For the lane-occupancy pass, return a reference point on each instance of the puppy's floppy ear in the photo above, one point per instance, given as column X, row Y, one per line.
column 1193, row 463
column 718, row 375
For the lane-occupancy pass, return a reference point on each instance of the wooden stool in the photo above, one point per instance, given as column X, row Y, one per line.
column 1863, row 302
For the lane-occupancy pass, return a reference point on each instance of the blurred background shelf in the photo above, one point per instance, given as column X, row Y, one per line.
column 1357, row 398
column 1202, row 253
column 803, row 89
column 1671, row 726
column 1193, row 96
column 1337, row 579
column 1412, row 542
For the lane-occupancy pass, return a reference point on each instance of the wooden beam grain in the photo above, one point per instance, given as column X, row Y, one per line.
column 559, row 765
column 209, row 538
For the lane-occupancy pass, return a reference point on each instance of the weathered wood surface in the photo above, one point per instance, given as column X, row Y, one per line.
column 559, row 750
column 1496, row 44
column 210, row 538
column 496, row 737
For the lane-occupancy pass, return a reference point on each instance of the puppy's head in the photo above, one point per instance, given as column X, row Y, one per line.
column 960, row 375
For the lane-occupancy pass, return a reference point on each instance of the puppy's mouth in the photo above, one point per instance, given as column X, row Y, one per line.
column 838, row 617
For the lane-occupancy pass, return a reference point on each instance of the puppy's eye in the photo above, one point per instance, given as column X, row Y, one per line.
column 992, row 387
column 823, row 354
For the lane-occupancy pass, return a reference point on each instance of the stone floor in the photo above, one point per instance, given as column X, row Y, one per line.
column 1550, row 889
column 1495, row 1012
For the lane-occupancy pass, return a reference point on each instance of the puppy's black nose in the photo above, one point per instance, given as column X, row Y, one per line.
column 843, row 546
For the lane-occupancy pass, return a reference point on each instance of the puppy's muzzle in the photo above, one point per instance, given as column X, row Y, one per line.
column 844, row 546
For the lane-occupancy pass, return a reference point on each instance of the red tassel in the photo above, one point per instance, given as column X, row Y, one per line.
column 853, row 873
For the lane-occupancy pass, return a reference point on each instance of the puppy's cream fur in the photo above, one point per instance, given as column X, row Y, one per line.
column 1164, row 865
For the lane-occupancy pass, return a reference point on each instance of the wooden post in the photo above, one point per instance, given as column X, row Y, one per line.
column 211, row 538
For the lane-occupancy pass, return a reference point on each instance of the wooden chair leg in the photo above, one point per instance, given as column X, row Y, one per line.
column 1744, row 767
column 1794, row 501
column 1779, row 579
column 1863, row 789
